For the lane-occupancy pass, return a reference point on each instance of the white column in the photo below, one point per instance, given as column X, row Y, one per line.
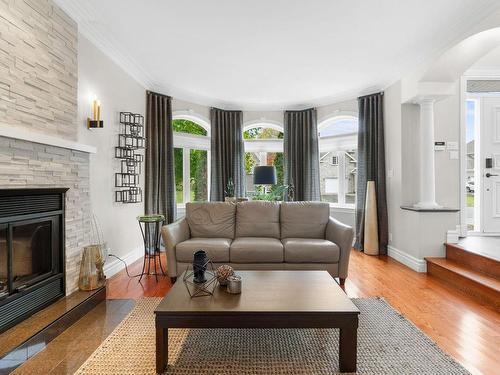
column 427, row 164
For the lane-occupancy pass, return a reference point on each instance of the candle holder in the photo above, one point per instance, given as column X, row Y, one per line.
column 95, row 124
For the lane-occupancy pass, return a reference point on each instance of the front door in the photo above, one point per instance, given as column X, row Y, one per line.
column 490, row 164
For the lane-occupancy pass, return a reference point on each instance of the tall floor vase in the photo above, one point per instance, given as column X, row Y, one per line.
column 371, row 244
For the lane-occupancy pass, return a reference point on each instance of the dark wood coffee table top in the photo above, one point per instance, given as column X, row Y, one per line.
column 267, row 292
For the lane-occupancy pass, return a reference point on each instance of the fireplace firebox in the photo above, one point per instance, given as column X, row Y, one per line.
column 32, row 265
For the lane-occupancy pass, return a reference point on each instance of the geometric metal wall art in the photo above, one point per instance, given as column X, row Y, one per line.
column 130, row 140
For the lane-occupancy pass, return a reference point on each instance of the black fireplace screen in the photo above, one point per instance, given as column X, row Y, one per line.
column 31, row 256
column 31, row 251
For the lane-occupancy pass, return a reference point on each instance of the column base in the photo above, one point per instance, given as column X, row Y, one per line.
column 427, row 205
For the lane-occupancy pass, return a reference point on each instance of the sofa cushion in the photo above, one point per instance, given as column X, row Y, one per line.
column 217, row 249
column 256, row 250
column 211, row 219
column 304, row 219
column 310, row 250
column 258, row 219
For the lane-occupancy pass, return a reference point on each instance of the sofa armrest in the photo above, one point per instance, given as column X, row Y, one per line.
column 173, row 234
column 342, row 235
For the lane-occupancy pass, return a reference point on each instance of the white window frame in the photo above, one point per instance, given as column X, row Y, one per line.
column 263, row 146
column 188, row 142
column 338, row 145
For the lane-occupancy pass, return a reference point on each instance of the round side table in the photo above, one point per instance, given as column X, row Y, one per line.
column 150, row 228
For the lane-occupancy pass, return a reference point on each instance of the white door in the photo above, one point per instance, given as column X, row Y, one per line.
column 490, row 164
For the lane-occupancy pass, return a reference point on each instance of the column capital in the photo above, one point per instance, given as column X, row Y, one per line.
column 427, row 100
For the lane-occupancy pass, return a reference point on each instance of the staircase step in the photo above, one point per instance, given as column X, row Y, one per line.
column 473, row 260
column 481, row 286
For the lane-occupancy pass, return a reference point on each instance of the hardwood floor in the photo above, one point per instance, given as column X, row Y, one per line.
column 462, row 327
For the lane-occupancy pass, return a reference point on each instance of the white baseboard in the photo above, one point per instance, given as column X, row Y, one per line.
column 114, row 266
column 419, row 265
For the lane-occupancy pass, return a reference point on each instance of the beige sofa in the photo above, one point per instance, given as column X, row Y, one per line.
column 260, row 235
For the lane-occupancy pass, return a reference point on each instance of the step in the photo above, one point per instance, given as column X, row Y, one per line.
column 474, row 261
column 481, row 286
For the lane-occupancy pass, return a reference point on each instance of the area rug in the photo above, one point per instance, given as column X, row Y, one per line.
column 387, row 344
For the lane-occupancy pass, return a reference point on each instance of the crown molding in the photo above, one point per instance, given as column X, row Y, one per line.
column 81, row 14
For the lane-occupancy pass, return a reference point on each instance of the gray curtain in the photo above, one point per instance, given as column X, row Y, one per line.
column 301, row 155
column 160, row 176
column 227, row 153
column 371, row 166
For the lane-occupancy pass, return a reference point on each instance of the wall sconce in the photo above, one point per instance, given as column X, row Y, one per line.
column 95, row 122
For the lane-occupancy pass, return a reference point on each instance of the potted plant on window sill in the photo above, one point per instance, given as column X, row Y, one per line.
column 229, row 193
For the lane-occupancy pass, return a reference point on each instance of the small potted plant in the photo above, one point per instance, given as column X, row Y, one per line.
column 229, row 191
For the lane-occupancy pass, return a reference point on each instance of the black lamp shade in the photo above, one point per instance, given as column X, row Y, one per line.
column 264, row 175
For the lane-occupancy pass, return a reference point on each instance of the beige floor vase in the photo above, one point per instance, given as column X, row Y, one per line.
column 371, row 223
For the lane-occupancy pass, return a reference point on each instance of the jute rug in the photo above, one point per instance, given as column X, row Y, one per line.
column 387, row 344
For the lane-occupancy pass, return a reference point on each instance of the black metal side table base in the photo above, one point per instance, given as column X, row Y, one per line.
column 150, row 228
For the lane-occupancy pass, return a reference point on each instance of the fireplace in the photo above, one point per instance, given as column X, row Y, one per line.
column 31, row 252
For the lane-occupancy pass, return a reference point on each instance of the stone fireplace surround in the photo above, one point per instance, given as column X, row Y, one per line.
column 26, row 164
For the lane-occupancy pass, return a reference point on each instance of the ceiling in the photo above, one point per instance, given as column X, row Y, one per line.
column 270, row 55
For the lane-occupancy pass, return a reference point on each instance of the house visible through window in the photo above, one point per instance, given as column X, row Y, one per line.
column 338, row 160
column 191, row 158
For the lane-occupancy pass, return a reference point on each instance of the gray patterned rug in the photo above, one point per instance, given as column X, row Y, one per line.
column 387, row 344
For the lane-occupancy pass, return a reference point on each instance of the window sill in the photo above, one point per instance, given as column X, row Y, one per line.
column 343, row 208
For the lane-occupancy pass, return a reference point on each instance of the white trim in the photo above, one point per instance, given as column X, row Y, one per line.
column 482, row 234
column 463, row 156
column 113, row 267
column 24, row 135
column 200, row 142
column 418, row 265
column 263, row 145
column 347, row 208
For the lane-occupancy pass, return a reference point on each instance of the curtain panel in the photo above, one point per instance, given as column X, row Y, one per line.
column 160, row 173
column 301, row 154
column 227, row 153
column 371, row 167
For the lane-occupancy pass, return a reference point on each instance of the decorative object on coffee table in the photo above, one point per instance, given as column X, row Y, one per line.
column 200, row 289
column 223, row 273
column 234, row 284
column 150, row 228
column 200, row 260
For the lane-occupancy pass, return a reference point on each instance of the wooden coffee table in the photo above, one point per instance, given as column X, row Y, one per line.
column 269, row 299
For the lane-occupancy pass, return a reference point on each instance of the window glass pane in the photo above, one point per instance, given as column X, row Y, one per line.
column 338, row 168
column 339, row 126
column 262, row 133
column 329, row 176
column 350, row 172
column 251, row 160
column 178, row 174
column 470, row 136
column 186, row 126
column 198, row 175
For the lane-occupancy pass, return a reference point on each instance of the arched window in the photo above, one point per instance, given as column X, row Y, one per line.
column 191, row 158
column 263, row 146
column 338, row 140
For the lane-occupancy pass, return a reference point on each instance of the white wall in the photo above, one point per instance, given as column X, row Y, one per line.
column 117, row 91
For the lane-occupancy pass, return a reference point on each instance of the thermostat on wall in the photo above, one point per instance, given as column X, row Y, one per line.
column 439, row 146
